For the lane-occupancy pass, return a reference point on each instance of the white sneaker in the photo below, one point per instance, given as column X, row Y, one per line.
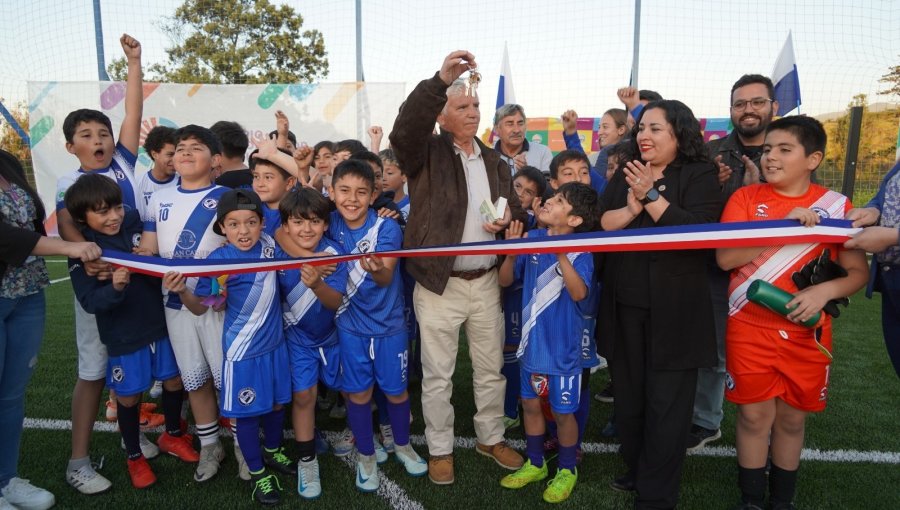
column 414, row 464
column 87, row 481
column 367, row 473
column 148, row 447
column 344, row 444
column 211, row 457
column 308, row 484
column 381, row 454
column 156, row 389
column 21, row 494
column 387, row 438
column 243, row 470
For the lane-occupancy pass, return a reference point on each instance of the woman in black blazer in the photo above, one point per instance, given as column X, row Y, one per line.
column 656, row 322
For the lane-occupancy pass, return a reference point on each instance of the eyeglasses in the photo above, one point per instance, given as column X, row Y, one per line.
column 756, row 102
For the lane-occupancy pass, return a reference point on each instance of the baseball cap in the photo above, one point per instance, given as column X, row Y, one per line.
column 236, row 200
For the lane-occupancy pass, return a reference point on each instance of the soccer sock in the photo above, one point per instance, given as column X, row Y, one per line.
column 129, row 426
column 307, row 450
column 510, row 370
column 359, row 417
column 752, row 483
column 782, row 485
column 76, row 464
column 384, row 417
column 566, row 459
column 399, row 414
column 208, row 433
column 534, row 448
column 273, row 428
column 248, row 439
column 171, row 403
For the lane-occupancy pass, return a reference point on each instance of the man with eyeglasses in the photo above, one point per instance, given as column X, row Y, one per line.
column 737, row 156
column 509, row 124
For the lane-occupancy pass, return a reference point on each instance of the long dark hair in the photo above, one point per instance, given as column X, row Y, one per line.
column 685, row 127
column 11, row 170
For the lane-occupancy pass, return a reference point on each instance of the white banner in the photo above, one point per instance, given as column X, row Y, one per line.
column 325, row 111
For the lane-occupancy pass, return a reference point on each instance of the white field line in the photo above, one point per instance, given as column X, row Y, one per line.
column 875, row 457
column 59, row 280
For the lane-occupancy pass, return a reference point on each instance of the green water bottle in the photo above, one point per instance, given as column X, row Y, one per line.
column 765, row 294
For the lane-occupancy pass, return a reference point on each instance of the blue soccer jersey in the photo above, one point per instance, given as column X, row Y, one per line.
column 403, row 205
column 306, row 320
column 552, row 324
column 369, row 310
column 272, row 220
column 253, row 324
column 120, row 170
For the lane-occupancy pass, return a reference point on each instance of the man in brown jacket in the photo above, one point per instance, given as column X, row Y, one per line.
column 449, row 176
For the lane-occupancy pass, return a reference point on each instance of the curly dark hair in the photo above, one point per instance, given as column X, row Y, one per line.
column 685, row 127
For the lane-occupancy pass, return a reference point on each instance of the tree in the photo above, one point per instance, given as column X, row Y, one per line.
column 10, row 139
column 237, row 41
column 892, row 78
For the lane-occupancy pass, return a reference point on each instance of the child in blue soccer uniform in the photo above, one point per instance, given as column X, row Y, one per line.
column 550, row 351
column 309, row 301
column 130, row 320
column 371, row 329
column 254, row 386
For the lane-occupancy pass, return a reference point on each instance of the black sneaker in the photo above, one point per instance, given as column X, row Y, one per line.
column 266, row 488
column 700, row 437
column 623, row 483
column 280, row 462
column 606, row 395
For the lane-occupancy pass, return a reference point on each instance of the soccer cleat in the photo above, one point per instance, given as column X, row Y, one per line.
column 179, row 447
column 87, row 481
column 4, row 505
column 338, row 412
column 308, row 484
column 414, row 464
column 156, row 389
column 148, row 449
column 366, row 473
column 112, row 412
column 266, row 488
column 344, row 444
column 321, row 444
column 278, row 461
column 624, row 483
column 243, row 469
column 559, row 489
column 211, row 457
column 387, row 438
column 509, row 423
column 526, row 474
column 150, row 420
column 140, row 473
column 19, row 493
column 381, row 454
column 700, row 437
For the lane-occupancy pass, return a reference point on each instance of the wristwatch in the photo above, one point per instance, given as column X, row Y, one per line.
column 652, row 196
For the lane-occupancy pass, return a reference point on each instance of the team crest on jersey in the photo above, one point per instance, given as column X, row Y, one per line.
column 210, row 203
column 762, row 211
column 558, row 270
column 120, row 175
column 364, row 246
column 729, row 381
column 186, row 240
column 821, row 212
column 118, row 374
column 268, row 252
column 136, row 240
column 246, row 396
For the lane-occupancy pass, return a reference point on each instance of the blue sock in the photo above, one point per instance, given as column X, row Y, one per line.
column 382, row 402
column 510, row 370
column 359, row 417
column 566, row 459
column 273, row 428
column 581, row 414
column 534, row 448
column 399, row 421
column 248, row 440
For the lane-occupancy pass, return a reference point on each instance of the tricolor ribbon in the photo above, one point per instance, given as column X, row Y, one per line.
column 682, row 237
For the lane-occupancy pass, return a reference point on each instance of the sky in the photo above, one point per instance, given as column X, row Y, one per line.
column 563, row 54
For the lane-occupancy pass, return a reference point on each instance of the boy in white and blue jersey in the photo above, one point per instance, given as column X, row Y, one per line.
column 89, row 137
column 254, row 386
column 309, row 301
column 179, row 225
column 274, row 176
column 371, row 329
column 160, row 146
column 550, row 351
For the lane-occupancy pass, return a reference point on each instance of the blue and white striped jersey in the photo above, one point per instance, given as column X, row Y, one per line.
column 120, row 170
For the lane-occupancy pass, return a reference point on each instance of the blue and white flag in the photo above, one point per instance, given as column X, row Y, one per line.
column 784, row 76
column 505, row 92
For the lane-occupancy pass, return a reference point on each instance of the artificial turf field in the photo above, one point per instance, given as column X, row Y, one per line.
column 852, row 458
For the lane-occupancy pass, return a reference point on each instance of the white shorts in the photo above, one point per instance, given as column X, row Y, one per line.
column 91, row 351
column 197, row 344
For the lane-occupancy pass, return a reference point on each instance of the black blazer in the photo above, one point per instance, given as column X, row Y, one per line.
column 681, row 319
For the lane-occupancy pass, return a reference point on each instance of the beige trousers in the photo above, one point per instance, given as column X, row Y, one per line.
column 474, row 304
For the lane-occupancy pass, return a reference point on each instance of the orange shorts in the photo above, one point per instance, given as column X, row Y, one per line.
column 762, row 364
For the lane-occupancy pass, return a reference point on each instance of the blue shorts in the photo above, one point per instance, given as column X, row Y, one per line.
column 563, row 391
column 309, row 365
column 134, row 373
column 253, row 386
column 512, row 315
column 365, row 361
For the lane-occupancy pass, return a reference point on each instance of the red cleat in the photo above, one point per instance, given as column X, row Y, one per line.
column 148, row 406
column 141, row 474
column 149, row 420
column 179, row 447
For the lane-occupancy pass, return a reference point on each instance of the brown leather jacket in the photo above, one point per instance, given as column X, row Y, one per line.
column 438, row 195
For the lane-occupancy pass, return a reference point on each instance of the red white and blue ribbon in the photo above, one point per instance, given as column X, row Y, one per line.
column 682, row 237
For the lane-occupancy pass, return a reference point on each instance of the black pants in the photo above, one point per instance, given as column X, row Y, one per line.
column 653, row 412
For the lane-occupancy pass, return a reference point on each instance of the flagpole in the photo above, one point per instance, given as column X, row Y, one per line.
column 636, row 44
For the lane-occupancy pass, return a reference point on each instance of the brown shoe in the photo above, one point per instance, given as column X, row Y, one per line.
column 440, row 469
column 502, row 454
